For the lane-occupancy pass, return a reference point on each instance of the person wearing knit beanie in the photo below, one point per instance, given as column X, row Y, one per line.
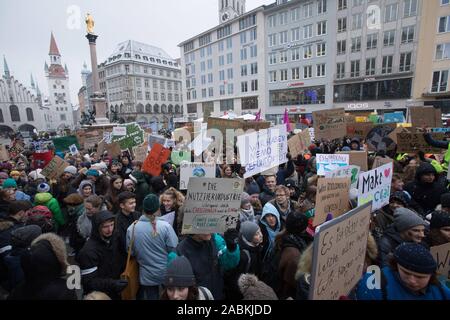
column 254, row 289
column 409, row 224
column 9, row 183
column 251, row 233
column 43, row 187
column 439, row 228
column 71, row 169
column 128, row 184
column 92, row 173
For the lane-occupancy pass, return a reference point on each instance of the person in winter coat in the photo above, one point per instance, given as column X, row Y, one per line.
column 11, row 186
column 64, row 187
column 180, row 283
column 45, row 198
column 111, row 198
column 291, row 243
column 74, row 208
column 127, row 168
column 100, row 183
column 124, row 218
column 210, row 256
column 283, row 203
column 268, row 193
column 99, row 260
column 427, row 189
column 439, row 229
column 410, row 275
column 254, row 289
column 153, row 240
column 408, row 226
column 250, row 261
column 303, row 274
column 21, row 239
column 44, row 266
column 171, row 208
column 128, row 185
column 247, row 212
column 141, row 186
column 86, row 189
column 270, row 224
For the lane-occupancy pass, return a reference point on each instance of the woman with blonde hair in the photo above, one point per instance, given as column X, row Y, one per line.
column 171, row 208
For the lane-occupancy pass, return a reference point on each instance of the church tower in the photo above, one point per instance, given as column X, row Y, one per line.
column 58, row 89
column 230, row 9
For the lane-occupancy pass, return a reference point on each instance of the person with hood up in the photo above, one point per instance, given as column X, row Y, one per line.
column 408, row 226
column 439, row 229
column 99, row 260
column 247, row 212
column 45, row 198
column 86, row 189
column 141, row 186
column 355, row 144
column 270, row 224
column 44, row 266
column 100, row 183
column 128, row 185
column 426, row 189
column 180, row 283
column 291, row 243
column 410, row 275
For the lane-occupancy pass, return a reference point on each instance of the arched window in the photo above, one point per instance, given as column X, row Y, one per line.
column 30, row 116
column 140, row 108
column 15, row 116
column 156, row 108
column 164, row 108
column 122, row 109
column 148, row 108
column 170, row 109
column 1, row 116
column 177, row 109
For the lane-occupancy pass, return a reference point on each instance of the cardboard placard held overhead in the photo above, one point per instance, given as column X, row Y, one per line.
column 330, row 162
column 375, row 186
column 140, row 152
column 195, row 170
column 414, row 142
column 4, row 155
column 212, row 205
column 156, row 158
column 380, row 161
column 441, row 255
column 351, row 172
column 378, row 138
column 55, row 168
column 393, row 134
column 332, row 197
column 359, row 129
column 329, row 124
column 358, row 158
column 295, row 146
column 339, row 251
column 429, row 117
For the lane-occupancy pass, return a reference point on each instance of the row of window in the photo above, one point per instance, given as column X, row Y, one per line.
column 162, row 84
column 15, row 114
column 297, row 96
column 116, row 96
column 307, row 52
column 304, row 12
column 390, row 10
column 144, row 58
column 246, row 86
column 371, row 66
column 143, row 70
column 294, row 73
column 283, row 37
column 148, row 109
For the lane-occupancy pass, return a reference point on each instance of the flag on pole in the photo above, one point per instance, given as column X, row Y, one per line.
column 286, row 121
column 258, row 116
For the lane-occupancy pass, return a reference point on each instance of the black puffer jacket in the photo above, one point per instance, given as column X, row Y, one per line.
column 100, row 260
column 426, row 195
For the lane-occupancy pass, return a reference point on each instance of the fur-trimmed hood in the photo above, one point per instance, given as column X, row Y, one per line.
column 5, row 224
column 254, row 289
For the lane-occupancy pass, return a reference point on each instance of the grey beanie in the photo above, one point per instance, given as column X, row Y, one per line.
column 248, row 230
column 405, row 219
column 179, row 273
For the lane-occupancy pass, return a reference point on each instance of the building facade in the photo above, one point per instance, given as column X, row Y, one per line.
column 20, row 106
column 143, row 84
column 433, row 72
column 223, row 68
column 376, row 54
column 300, row 46
column 61, row 112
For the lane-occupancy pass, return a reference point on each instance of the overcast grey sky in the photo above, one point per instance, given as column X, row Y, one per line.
column 25, row 27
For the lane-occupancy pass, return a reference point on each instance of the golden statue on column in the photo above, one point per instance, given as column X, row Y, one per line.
column 89, row 24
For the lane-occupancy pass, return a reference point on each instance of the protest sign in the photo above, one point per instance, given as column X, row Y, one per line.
column 140, row 152
column 380, row 161
column 351, row 172
column 441, row 255
column 62, row 144
column 357, row 158
column 212, row 205
column 15, row 149
column 119, row 131
column 429, row 117
column 393, row 134
column 156, row 158
column 113, row 149
column 41, row 159
column 414, row 142
column 306, row 137
column 329, row 124
column 378, row 138
column 153, row 138
column 330, row 162
column 73, row 150
column 375, row 186
column 295, row 146
column 55, row 168
column 195, row 170
column 359, row 129
column 256, row 125
column 444, row 130
column 263, row 150
column 178, row 156
column 4, row 155
column 134, row 136
column 339, row 251
column 312, row 134
column 332, row 197
column 394, row 117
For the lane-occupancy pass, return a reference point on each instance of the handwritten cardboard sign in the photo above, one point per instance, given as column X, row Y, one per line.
column 429, row 117
column 55, row 168
column 140, row 152
column 357, row 158
column 195, row 170
column 4, row 155
column 414, row 142
column 378, row 138
column 295, row 146
column 156, row 158
column 330, row 162
column 339, row 251
column 329, row 124
column 380, row 161
column 359, row 129
column 332, row 197
column 375, row 186
column 351, row 172
column 212, row 205
column 442, row 256
column 263, row 150
column 393, row 134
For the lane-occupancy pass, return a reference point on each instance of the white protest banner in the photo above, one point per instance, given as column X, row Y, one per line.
column 339, row 251
column 351, row 172
column 375, row 185
column 263, row 150
column 442, row 256
column 201, row 142
column 332, row 198
column 119, row 131
column 195, row 170
column 212, row 205
column 330, row 162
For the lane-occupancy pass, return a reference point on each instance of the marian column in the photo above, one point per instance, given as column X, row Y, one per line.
column 97, row 98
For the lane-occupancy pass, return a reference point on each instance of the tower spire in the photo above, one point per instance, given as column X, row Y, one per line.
column 32, row 82
column 53, row 47
column 5, row 67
